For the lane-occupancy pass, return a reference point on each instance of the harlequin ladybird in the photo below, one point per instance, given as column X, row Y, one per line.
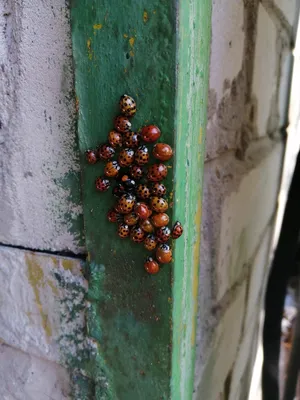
column 162, row 151
column 91, row 156
column 142, row 210
column 159, row 220
column 129, row 184
column 127, row 105
column 119, row 190
column 112, row 169
column 102, row 184
column 150, row 242
column 131, row 219
column 126, row 203
column 123, row 230
column 164, row 253
column 158, row 204
column 136, row 171
column 126, row 157
column 163, row 234
column 122, row 124
column 142, row 155
column 146, row 225
column 158, row 189
column 151, row 266
column 142, row 191
column 115, row 139
column 150, row 133
column 106, row 152
column 177, row 230
column 131, row 139
column 113, row 216
column 117, row 208
column 137, row 234
column 157, row 172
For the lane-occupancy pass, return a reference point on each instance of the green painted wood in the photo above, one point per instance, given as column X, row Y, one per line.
column 190, row 123
column 130, row 47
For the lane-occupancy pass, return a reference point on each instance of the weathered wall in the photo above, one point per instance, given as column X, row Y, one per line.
column 251, row 55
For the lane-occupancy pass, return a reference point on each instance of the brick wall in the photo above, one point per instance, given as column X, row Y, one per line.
column 250, row 71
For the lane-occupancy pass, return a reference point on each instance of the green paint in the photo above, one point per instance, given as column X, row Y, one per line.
column 130, row 313
column 191, row 104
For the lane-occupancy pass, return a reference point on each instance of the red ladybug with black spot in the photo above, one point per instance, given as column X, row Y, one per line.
column 122, row 124
column 177, row 230
column 106, row 152
column 158, row 204
column 142, row 210
column 102, row 184
column 131, row 139
column 126, row 203
column 142, row 155
column 158, row 189
column 142, row 191
column 137, row 234
column 157, row 172
column 163, row 253
column 126, row 157
column 112, row 169
column 146, row 225
column 150, row 242
column 113, row 216
column 131, row 219
column 135, row 171
column 91, row 156
column 150, row 133
column 163, row 234
column 127, row 105
column 123, row 230
column 151, row 266
column 115, row 139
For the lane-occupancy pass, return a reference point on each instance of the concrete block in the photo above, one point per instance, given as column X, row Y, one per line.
column 39, row 180
column 38, row 293
column 24, row 377
column 213, row 367
column 265, row 70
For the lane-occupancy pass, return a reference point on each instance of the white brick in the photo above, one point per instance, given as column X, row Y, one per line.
column 265, row 67
column 24, row 377
column 39, row 162
column 289, row 9
column 35, row 306
column 227, row 43
column 211, row 373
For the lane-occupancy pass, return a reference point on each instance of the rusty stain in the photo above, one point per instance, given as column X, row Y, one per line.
column 97, row 26
column 131, row 41
column 145, row 16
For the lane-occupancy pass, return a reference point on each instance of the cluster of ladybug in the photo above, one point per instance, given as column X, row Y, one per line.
column 140, row 209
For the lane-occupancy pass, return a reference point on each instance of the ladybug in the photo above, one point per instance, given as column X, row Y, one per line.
column 163, row 234
column 137, row 234
column 119, row 190
column 142, row 155
column 177, row 230
column 143, row 191
column 146, row 225
column 122, row 124
column 158, row 204
column 163, row 253
column 157, row 172
column 115, row 139
column 131, row 139
column 126, row 157
column 113, row 216
column 127, row 105
column 102, row 184
column 91, row 156
column 123, row 230
column 142, row 210
column 126, row 203
column 151, row 266
column 112, row 169
column 131, row 219
column 128, row 183
column 150, row 242
column 162, row 151
column 159, row 220
column 117, row 208
column 150, row 133
column 158, row 189
column 106, row 152
column 136, row 171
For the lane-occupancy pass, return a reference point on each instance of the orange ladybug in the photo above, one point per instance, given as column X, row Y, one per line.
column 177, row 230
column 151, row 266
column 164, row 253
column 150, row 133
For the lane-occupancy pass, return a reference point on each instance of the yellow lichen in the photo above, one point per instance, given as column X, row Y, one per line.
column 145, row 16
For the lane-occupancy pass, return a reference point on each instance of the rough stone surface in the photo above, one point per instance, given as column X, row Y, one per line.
column 24, row 377
column 39, row 180
column 38, row 298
